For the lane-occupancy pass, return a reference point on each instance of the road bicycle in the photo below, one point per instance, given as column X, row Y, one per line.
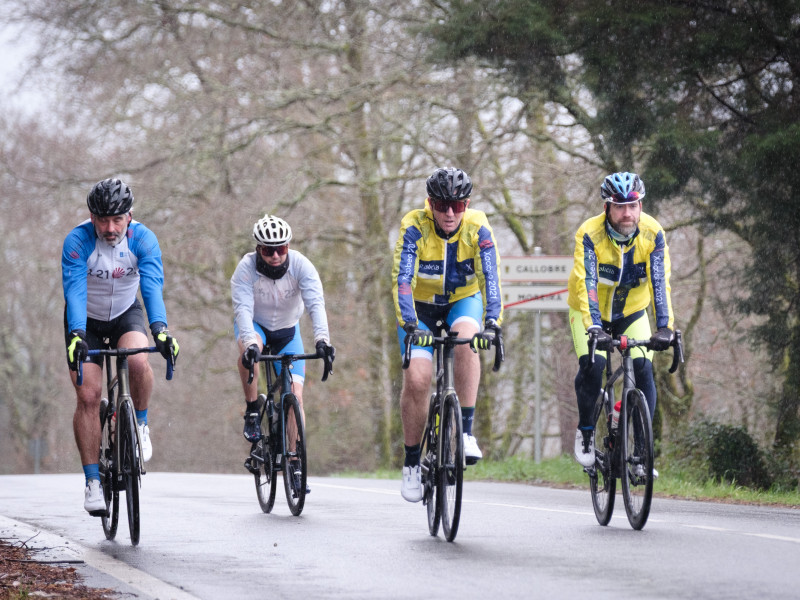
column 442, row 449
column 121, row 464
column 623, row 437
column 282, row 445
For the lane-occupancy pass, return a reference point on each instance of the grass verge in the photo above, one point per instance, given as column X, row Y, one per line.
column 563, row 471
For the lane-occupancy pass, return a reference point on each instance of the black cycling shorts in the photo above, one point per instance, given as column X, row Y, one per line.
column 106, row 334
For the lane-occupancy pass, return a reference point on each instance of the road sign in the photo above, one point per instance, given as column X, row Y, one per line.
column 535, row 297
column 535, row 269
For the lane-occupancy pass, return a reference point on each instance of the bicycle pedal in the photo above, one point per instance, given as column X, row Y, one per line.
column 99, row 513
column 249, row 466
column 471, row 460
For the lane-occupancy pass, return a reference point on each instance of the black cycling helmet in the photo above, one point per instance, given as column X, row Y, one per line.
column 621, row 188
column 449, row 184
column 110, row 197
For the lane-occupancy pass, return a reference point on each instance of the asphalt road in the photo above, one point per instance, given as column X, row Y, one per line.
column 204, row 536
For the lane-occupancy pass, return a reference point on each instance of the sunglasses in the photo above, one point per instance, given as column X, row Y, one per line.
column 459, row 206
column 270, row 250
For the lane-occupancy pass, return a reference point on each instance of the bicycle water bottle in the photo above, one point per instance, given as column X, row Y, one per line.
column 615, row 415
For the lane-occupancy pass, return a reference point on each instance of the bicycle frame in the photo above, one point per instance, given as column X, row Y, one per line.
column 270, row 454
column 121, row 381
column 119, row 396
column 282, row 383
column 442, row 445
column 626, row 451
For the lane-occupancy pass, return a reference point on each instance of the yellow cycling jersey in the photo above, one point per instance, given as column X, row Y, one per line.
column 429, row 268
column 609, row 281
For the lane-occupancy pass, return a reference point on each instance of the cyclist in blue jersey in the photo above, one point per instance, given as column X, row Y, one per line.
column 104, row 262
column 271, row 288
column 445, row 268
column 621, row 267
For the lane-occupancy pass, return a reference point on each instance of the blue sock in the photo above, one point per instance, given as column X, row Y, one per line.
column 467, row 415
column 412, row 456
column 91, row 472
column 141, row 417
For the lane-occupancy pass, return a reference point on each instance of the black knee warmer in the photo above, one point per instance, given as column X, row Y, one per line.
column 588, row 382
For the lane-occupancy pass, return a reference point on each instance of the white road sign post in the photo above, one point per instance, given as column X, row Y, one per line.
column 537, row 283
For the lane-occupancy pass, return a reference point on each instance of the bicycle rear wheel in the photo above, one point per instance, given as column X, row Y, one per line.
column 451, row 468
column 129, row 455
column 108, row 472
column 601, row 477
column 637, row 455
column 430, row 470
column 263, row 461
column 295, row 469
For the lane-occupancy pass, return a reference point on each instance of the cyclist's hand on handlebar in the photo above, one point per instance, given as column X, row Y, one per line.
column 77, row 349
column 167, row 345
column 419, row 337
column 602, row 340
column 328, row 353
column 661, row 339
column 485, row 339
column 249, row 356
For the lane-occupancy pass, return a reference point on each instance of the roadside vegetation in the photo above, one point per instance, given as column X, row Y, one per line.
column 563, row 471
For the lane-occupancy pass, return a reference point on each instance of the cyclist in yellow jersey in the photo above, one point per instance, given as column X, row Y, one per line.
column 445, row 268
column 621, row 267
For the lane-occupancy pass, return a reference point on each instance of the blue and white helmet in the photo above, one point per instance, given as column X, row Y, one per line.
column 621, row 188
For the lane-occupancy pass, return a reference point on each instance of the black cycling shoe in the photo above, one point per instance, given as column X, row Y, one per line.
column 252, row 427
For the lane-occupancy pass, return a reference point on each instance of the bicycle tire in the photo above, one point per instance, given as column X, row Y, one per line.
column 451, row 467
column 262, row 453
column 430, row 470
column 129, row 455
column 294, row 461
column 637, row 451
column 602, row 482
column 108, row 473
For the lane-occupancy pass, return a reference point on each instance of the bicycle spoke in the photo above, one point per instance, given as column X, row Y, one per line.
column 295, row 469
column 262, row 462
column 637, row 476
column 451, row 468
column 602, row 483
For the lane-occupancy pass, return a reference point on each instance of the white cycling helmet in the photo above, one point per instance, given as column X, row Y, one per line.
column 272, row 231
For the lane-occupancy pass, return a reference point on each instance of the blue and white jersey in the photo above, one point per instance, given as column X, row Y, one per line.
column 101, row 281
column 277, row 303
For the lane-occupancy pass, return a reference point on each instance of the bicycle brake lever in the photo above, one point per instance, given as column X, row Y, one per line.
column 677, row 353
column 407, row 351
column 592, row 348
column 499, row 352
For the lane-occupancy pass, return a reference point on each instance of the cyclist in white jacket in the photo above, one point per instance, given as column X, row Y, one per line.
column 271, row 288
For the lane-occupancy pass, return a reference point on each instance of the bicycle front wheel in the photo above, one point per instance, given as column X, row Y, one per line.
column 295, row 468
column 108, row 472
column 129, row 456
column 637, row 455
column 430, row 470
column 451, row 467
column 601, row 477
column 263, row 459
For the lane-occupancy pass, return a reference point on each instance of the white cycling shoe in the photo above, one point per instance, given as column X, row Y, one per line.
column 94, row 502
column 147, row 445
column 411, row 488
column 638, row 470
column 585, row 456
column 471, row 451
